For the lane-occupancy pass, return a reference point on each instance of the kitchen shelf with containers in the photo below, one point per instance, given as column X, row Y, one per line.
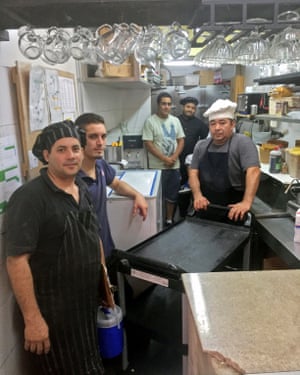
column 286, row 118
column 280, row 118
column 129, row 74
column 290, row 156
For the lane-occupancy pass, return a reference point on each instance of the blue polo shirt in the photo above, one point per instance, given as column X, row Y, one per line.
column 97, row 189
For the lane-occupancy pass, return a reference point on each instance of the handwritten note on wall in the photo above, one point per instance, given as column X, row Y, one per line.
column 51, row 97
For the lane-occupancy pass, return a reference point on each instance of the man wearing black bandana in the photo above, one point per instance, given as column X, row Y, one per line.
column 53, row 258
column 194, row 129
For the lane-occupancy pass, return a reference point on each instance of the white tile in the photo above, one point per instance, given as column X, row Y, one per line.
column 11, row 329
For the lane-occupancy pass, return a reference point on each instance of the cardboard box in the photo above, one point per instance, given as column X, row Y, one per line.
column 124, row 70
column 276, row 104
column 206, row 77
column 191, row 80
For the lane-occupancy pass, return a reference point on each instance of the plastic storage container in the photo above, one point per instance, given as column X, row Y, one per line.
column 275, row 161
column 293, row 161
column 110, row 331
column 297, row 226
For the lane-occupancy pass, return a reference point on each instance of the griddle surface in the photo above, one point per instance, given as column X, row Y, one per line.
column 194, row 245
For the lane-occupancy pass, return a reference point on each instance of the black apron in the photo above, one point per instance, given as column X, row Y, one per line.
column 214, row 178
column 68, row 298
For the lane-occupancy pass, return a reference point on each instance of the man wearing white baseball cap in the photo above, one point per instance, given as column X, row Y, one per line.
column 225, row 168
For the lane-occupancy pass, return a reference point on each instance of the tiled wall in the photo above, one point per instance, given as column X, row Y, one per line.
column 117, row 105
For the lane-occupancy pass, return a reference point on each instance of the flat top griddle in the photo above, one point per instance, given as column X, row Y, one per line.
column 192, row 245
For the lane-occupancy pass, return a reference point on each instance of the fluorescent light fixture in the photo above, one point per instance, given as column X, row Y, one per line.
column 179, row 63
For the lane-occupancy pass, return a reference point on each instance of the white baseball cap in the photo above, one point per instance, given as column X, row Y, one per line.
column 221, row 108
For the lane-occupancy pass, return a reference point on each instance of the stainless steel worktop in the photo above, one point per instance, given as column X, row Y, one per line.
column 278, row 234
column 273, row 223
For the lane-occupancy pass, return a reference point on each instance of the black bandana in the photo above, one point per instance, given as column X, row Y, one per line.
column 50, row 134
column 189, row 99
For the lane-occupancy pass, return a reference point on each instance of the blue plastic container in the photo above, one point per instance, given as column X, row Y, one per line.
column 110, row 331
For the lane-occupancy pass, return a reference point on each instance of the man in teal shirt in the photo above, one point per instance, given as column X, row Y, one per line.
column 163, row 138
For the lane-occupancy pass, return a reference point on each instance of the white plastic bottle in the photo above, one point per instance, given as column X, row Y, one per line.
column 275, row 161
column 297, row 226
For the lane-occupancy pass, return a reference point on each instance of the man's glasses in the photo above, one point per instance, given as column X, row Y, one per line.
column 164, row 103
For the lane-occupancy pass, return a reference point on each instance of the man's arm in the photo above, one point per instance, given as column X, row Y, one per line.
column 139, row 205
column 179, row 148
column 200, row 202
column 36, row 331
column 155, row 151
column 238, row 210
column 169, row 161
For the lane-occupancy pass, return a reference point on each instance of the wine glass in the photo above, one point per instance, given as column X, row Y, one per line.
column 285, row 46
column 252, row 50
column 217, row 52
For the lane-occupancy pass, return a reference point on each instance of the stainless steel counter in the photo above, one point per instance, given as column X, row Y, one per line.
column 243, row 322
column 275, row 227
column 278, row 234
column 273, row 224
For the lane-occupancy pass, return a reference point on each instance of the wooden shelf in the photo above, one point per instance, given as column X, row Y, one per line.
column 119, row 82
column 87, row 72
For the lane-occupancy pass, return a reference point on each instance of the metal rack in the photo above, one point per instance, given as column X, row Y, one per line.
column 238, row 18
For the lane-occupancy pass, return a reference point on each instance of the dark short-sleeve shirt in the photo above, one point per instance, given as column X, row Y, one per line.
column 35, row 217
column 243, row 154
column 194, row 129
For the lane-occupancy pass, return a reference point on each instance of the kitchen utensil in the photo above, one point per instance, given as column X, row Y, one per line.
column 149, row 47
column 56, row 47
column 30, row 44
column 80, row 42
column 176, row 42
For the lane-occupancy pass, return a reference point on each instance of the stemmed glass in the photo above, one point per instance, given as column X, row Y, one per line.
column 252, row 50
column 285, row 46
column 217, row 52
